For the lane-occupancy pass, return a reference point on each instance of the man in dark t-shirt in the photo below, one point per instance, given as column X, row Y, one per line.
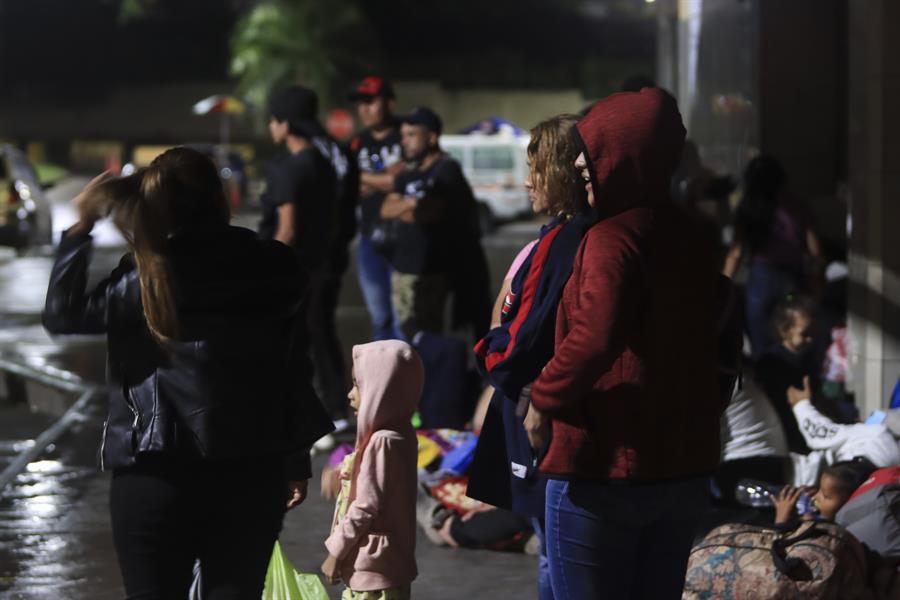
column 436, row 225
column 379, row 158
column 301, row 209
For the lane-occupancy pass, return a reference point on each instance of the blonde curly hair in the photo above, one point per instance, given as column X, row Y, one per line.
column 551, row 156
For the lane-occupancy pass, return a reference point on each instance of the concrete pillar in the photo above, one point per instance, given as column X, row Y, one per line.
column 874, row 175
column 690, row 20
column 667, row 45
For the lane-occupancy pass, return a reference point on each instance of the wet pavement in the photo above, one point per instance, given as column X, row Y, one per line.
column 55, row 539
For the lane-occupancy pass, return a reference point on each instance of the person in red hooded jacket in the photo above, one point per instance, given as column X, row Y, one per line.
column 630, row 401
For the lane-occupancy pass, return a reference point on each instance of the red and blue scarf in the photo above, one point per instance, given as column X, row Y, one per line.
column 512, row 355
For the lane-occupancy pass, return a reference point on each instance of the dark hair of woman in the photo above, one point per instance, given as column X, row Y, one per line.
column 764, row 178
column 179, row 191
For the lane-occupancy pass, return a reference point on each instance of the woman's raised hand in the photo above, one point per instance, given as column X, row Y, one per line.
column 90, row 208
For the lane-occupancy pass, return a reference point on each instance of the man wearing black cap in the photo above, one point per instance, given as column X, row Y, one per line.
column 301, row 209
column 436, row 231
column 379, row 158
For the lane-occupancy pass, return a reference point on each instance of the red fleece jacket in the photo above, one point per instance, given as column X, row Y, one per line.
column 632, row 388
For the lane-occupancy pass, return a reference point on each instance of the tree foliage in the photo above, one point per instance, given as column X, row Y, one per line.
column 310, row 42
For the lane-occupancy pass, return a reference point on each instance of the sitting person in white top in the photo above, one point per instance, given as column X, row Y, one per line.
column 750, row 425
column 831, row 442
column 753, row 441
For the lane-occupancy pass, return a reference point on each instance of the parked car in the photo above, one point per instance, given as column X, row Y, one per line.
column 25, row 214
column 496, row 167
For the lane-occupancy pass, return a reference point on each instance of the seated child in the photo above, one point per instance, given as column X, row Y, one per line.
column 836, row 485
column 372, row 544
column 753, row 441
column 829, row 441
column 786, row 363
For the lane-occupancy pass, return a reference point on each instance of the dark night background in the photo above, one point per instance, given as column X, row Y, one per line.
column 77, row 50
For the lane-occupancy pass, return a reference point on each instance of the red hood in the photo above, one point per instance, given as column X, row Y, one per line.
column 632, row 143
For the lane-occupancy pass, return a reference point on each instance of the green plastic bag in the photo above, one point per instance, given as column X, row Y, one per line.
column 283, row 582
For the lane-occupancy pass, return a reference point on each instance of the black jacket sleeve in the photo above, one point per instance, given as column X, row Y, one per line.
column 298, row 466
column 69, row 309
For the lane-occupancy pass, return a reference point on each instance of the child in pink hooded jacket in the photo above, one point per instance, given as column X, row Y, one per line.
column 373, row 539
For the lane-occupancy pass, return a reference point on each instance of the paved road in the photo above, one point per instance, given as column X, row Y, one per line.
column 54, row 527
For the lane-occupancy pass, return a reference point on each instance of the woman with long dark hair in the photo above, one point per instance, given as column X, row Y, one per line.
column 209, row 418
column 775, row 231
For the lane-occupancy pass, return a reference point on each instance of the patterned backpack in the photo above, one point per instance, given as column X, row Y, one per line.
column 818, row 560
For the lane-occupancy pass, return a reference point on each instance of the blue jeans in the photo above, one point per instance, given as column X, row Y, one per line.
column 628, row 541
column 545, row 590
column 375, row 283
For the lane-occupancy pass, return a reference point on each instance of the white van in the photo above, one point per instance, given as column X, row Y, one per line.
column 496, row 167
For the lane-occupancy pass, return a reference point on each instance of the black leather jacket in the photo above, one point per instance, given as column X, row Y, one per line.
column 235, row 385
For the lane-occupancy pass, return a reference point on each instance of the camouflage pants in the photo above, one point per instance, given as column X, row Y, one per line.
column 419, row 302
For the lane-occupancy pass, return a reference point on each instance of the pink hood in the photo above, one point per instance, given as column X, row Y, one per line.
column 375, row 540
column 390, row 376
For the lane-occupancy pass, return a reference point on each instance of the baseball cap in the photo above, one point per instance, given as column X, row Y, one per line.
column 372, row 87
column 425, row 117
column 299, row 106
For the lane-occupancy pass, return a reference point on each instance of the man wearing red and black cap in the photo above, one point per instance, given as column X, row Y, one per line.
column 379, row 158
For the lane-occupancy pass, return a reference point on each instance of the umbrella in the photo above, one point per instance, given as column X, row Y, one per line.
column 220, row 104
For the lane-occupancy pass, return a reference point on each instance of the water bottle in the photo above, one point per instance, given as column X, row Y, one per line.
column 805, row 505
column 758, row 494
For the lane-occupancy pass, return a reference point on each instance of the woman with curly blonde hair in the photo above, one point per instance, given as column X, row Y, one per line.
column 513, row 353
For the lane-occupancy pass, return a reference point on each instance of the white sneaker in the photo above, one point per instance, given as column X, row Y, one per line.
column 533, row 546
column 325, row 444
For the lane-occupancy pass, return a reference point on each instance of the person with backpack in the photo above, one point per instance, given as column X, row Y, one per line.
column 335, row 267
column 210, row 419
column 632, row 393
column 301, row 208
